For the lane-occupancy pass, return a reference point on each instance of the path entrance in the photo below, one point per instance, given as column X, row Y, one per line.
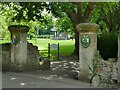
column 61, row 75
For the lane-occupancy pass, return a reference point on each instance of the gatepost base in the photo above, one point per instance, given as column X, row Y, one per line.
column 85, row 76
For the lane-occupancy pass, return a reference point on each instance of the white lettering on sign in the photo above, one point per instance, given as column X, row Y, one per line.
column 53, row 46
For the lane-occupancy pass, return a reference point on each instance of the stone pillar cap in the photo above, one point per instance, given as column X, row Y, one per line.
column 87, row 27
column 18, row 28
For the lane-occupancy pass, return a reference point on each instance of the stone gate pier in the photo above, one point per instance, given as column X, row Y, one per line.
column 18, row 44
column 87, row 47
column 19, row 55
column 118, row 62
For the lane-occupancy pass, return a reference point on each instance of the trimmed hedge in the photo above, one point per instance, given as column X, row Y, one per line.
column 107, row 45
column 43, row 36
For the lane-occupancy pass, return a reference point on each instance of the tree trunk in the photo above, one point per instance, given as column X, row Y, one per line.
column 75, row 22
column 78, row 18
column 76, row 50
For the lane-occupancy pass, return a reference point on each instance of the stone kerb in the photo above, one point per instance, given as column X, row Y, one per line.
column 87, row 46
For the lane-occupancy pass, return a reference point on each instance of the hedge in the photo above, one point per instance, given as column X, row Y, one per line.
column 107, row 45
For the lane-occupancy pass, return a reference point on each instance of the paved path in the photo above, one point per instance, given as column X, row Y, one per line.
column 24, row 80
column 60, row 76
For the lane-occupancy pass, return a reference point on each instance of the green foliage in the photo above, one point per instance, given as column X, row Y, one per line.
column 4, row 33
column 107, row 15
column 39, row 15
column 58, row 7
column 28, row 11
column 96, row 64
column 107, row 45
column 29, row 14
column 64, row 24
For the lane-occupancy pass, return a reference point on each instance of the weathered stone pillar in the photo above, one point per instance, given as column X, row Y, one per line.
column 0, row 57
column 87, row 47
column 118, row 62
column 18, row 46
column 0, row 64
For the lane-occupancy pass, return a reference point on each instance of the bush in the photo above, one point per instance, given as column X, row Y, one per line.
column 107, row 45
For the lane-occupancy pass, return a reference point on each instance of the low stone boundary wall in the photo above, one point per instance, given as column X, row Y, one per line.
column 6, row 56
column 32, row 62
column 105, row 73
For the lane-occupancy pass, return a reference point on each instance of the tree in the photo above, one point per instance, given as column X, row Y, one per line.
column 78, row 12
column 4, row 33
column 107, row 15
column 80, row 16
column 10, row 15
column 64, row 24
column 108, row 18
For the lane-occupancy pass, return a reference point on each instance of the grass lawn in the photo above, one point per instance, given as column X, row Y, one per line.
column 66, row 46
column 4, row 41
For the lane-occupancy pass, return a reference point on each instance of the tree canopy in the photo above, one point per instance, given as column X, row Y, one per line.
column 68, row 14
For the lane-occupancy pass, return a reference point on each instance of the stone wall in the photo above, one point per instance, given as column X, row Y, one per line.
column 6, row 56
column 32, row 57
column 31, row 64
column 105, row 73
column 109, row 73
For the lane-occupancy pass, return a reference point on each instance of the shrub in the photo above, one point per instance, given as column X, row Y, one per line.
column 107, row 45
